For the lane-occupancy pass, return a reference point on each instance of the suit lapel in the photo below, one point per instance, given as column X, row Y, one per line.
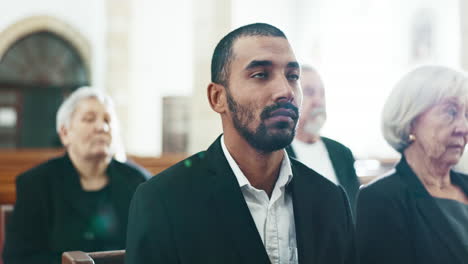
column 306, row 226
column 427, row 207
column 232, row 209
column 335, row 157
column 343, row 165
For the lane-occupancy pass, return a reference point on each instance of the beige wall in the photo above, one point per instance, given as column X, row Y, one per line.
column 212, row 20
column 464, row 34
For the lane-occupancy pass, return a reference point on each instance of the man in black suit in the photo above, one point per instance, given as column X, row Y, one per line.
column 243, row 200
column 328, row 157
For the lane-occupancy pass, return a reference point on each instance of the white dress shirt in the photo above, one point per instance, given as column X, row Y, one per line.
column 316, row 157
column 274, row 218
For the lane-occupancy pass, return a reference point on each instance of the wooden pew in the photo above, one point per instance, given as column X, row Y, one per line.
column 5, row 212
column 368, row 171
column 102, row 257
column 156, row 165
column 15, row 161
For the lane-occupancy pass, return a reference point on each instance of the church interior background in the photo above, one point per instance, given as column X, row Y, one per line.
column 153, row 58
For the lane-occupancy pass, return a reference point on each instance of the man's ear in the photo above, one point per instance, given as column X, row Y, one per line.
column 217, row 97
column 63, row 134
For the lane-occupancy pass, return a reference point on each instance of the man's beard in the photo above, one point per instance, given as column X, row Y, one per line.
column 262, row 139
column 315, row 120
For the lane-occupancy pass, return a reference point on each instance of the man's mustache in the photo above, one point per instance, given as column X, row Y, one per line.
column 266, row 113
column 317, row 111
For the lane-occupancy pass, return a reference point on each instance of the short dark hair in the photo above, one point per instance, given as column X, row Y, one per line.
column 222, row 56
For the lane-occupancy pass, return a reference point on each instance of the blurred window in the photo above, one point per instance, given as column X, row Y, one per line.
column 36, row 72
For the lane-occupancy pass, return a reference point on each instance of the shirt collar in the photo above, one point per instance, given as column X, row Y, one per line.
column 284, row 177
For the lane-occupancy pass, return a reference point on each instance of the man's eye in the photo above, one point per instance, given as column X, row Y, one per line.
column 88, row 119
column 260, row 75
column 293, row 77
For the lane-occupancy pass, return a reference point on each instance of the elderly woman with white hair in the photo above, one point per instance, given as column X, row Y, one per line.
column 419, row 212
column 78, row 201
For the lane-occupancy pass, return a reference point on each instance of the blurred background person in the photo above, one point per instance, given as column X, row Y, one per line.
column 419, row 212
column 326, row 156
column 78, row 201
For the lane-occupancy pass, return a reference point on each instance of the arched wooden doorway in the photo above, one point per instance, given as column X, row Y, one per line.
column 36, row 72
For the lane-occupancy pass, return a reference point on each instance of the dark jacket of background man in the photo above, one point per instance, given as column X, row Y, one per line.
column 343, row 163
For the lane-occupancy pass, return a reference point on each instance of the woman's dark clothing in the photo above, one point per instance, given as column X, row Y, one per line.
column 398, row 221
column 54, row 214
column 457, row 214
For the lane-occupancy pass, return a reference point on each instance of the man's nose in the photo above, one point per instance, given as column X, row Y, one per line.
column 285, row 90
column 102, row 126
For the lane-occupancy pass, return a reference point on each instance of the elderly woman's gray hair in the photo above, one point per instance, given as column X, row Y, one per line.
column 418, row 90
column 68, row 107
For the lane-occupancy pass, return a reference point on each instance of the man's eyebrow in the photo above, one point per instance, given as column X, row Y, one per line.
column 257, row 63
column 293, row 64
column 266, row 63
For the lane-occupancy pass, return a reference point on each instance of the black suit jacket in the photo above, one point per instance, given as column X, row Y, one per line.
column 398, row 221
column 342, row 160
column 50, row 217
column 194, row 212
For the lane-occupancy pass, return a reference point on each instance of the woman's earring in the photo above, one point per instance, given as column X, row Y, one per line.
column 411, row 138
